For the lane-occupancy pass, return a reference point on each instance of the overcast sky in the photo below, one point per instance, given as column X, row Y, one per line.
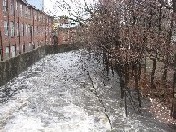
column 36, row 3
column 52, row 6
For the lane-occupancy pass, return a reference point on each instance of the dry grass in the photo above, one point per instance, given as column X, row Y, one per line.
column 161, row 95
column 160, row 98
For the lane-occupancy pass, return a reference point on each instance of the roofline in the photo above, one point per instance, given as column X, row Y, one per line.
column 33, row 7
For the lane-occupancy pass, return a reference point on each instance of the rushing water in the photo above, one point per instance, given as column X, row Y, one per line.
column 57, row 95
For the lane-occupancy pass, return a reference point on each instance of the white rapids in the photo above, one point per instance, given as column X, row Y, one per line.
column 55, row 96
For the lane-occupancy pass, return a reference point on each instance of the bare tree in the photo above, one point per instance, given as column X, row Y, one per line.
column 125, row 33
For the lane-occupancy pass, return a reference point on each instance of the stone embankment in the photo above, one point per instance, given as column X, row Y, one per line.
column 14, row 66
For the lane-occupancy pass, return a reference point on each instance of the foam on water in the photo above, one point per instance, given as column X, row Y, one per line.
column 55, row 96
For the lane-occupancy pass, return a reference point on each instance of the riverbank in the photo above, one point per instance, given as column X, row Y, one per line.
column 14, row 66
column 56, row 94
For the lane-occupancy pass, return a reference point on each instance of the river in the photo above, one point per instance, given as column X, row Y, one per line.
column 56, row 94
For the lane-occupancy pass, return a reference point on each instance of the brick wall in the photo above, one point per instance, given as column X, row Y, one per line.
column 22, row 28
column 14, row 66
column 67, row 35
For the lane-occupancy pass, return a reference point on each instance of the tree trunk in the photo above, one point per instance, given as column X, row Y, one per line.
column 173, row 110
column 145, row 65
column 153, row 73
column 118, row 70
column 126, row 111
column 104, row 57
column 122, row 86
column 107, row 64
column 126, row 74
column 112, row 69
column 164, row 77
column 137, row 84
column 106, row 61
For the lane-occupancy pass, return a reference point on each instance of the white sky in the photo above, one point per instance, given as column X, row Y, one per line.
column 51, row 6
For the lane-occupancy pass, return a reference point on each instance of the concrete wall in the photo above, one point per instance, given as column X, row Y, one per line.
column 14, row 66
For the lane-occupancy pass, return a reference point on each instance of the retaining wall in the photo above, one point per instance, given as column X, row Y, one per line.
column 14, row 66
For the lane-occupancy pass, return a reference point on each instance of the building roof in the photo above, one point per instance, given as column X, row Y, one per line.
column 64, row 22
column 33, row 7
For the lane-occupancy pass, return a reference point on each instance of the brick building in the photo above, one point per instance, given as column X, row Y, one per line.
column 67, row 31
column 22, row 28
column 67, row 35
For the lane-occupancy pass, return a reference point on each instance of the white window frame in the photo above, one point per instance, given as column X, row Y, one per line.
column 4, row 4
column 7, row 52
column 6, row 32
column 16, row 6
column 17, row 29
column 12, row 7
column 17, row 49
column 22, row 29
column 21, row 10
column 26, row 30
column 13, row 50
column 12, row 29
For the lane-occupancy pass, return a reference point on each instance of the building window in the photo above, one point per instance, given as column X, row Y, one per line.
column 37, row 30
column 28, row 27
column 29, row 13
column 25, row 29
column 22, row 30
column 44, row 19
column 29, row 30
column 21, row 10
column 17, row 49
column 4, row 5
column 13, row 52
column 30, row 46
column 23, row 48
column 6, row 28
column 17, row 29
column 16, row 6
column 34, row 15
column 25, row 11
column 12, row 29
column 7, row 52
column 12, row 7
column 39, row 17
column 33, row 46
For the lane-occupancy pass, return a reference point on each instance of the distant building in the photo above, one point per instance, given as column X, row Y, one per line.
column 67, row 35
column 67, row 30
column 64, row 22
